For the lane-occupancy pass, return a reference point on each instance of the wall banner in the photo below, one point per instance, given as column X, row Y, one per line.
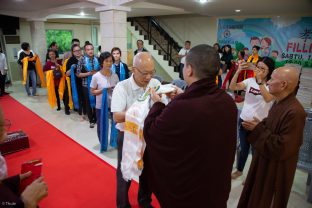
column 288, row 40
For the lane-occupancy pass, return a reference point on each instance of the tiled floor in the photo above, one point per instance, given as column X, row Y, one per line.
column 79, row 130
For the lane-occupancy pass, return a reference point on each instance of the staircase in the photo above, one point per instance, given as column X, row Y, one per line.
column 159, row 38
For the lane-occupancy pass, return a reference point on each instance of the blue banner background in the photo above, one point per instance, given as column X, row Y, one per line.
column 291, row 37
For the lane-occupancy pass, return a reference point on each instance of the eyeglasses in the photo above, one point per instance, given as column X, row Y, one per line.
column 6, row 124
column 77, row 50
column 145, row 74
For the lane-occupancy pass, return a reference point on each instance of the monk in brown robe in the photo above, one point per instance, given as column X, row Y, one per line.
column 190, row 143
column 276, row 141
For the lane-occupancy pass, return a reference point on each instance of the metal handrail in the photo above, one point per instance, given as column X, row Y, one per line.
column 152, row 23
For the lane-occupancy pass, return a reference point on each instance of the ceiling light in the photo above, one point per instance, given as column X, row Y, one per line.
column 82, row 13
column 202, row 1
column 237, row 10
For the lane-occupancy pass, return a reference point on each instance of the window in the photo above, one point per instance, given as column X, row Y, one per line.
column 61, row 37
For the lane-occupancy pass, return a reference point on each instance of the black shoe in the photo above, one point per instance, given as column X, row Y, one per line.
column 58, row 108
column 92, row 125
column 67, row 112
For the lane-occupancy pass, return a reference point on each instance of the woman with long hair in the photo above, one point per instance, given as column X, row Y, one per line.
column 256, row 105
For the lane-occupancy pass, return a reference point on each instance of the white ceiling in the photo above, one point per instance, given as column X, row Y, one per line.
column 52, row 10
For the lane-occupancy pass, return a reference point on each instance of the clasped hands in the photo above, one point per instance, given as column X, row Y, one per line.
column 250, row 125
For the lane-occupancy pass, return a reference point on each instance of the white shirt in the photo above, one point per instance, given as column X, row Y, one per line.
column 3, row 64
column 20, row 51
column 99, row 81
column 126, row 93
column 183, row 52
column 254, row 104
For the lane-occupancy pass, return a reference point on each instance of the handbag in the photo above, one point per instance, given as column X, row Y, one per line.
column 57, row 74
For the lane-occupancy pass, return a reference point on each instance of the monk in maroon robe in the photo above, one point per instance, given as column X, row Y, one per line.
column 276, row 141
column 190, row 143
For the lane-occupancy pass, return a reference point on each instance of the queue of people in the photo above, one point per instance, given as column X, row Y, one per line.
column 184, row 137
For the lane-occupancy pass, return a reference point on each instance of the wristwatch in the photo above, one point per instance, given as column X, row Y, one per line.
column 260, row 83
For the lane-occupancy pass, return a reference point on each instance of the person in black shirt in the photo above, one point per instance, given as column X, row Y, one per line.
column 31, row 68
column 227, row 58
column 76, row 55
column 140, row 45
column 120, row 68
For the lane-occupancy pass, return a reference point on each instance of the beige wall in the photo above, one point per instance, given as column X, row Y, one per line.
column 197, row 29
column 80, row 31
column 24, row 32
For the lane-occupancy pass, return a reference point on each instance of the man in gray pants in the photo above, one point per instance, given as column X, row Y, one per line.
column 125, row 94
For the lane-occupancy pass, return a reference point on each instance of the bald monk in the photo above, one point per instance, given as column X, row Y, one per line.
column 125, row 94
column 276, row 141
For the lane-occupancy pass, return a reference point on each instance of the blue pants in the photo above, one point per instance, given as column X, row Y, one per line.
column 31, row 75
column 181, row 66
column 220, row 81
column 244, row 146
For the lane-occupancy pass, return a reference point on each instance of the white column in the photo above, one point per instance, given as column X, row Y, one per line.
column 113, row 27
column 38, row 36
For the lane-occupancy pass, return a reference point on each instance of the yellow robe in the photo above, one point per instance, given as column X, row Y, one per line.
column 51, row 87
column 255, row 60
column 66, row 81
column 38, row 69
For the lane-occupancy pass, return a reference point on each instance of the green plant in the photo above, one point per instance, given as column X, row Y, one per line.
column 61, row 37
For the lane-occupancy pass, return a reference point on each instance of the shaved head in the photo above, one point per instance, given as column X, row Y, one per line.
column 143, row 59
column 284, row 81
column 143, row 68
column 289, row 74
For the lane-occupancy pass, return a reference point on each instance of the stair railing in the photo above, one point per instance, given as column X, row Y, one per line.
column 172, row 45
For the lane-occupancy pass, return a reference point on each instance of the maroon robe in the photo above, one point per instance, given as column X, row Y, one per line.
column 191, row 147
column 276, row 141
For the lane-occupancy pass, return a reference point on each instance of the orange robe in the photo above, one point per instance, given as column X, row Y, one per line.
column 38, row 69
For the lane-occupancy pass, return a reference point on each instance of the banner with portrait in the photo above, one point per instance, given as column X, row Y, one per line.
column 287, row 40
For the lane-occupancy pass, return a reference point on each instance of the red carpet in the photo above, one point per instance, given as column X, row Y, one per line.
column 75, row 177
